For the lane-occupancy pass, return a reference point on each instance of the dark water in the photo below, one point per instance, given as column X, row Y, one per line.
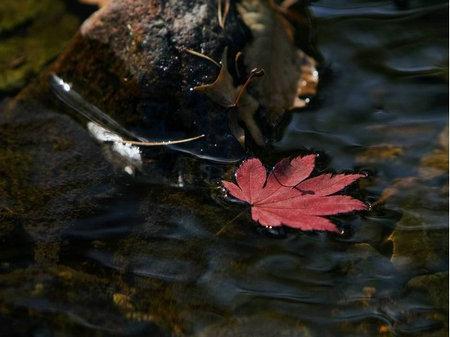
column 112, row 255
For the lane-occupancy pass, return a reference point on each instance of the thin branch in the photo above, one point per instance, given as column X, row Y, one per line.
column 203, row 56
column 168, row 142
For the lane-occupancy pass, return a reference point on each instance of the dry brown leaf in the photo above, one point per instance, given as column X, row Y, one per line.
column 223, row 7
column 247, row 107
column 221, row 91
column 99, row 3
column 287, row 3
column 289, row 72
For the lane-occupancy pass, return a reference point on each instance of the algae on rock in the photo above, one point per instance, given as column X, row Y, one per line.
column 31, row 34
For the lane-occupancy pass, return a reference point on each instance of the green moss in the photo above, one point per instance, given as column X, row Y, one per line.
column 24, row 54
column 14, row 14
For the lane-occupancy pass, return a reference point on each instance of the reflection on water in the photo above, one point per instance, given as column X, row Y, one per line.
column 129, row 257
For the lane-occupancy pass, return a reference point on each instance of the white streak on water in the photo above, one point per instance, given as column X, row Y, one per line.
column 129, row 152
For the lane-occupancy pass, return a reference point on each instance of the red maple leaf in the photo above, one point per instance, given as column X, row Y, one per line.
column 288, row 197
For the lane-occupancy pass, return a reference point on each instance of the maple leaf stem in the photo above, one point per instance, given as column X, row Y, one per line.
column 254, row 73
column 168, row 142
column 236, row 65
column 287, row 3
column 203, row 56
column 224, row 227
column 222, row 12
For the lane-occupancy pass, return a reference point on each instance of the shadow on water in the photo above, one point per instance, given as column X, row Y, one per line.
column 89, row 251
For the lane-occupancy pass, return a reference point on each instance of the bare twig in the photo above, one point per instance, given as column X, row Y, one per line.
column 203, row 56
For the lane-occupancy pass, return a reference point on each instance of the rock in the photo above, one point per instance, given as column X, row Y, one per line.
column 134, row 60
column 52, row 174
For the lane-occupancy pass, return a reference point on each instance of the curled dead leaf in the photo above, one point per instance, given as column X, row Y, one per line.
column 290, row 73
column 223, row 7
column 99, row 3
column 223, row 92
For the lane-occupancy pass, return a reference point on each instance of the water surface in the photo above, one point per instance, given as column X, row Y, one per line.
column 86, row 251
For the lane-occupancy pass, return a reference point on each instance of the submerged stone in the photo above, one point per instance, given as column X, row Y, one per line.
column 257, row 326
column 435, row 289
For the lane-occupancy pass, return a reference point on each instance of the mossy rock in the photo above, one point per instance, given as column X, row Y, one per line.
column 32, row 33
column 14, row 14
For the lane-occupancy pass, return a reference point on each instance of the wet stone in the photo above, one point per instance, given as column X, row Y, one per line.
column 53, row 174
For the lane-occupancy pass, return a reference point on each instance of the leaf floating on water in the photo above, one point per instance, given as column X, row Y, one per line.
column 288, row 197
